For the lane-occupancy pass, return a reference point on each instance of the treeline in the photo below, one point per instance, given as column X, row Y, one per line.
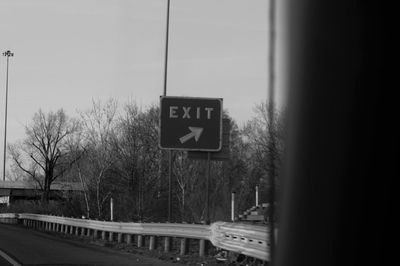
column 112, row 151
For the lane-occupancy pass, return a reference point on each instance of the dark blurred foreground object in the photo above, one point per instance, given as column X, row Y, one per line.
column 342, row 147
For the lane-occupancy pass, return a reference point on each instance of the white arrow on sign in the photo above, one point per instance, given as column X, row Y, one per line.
column 195, row 132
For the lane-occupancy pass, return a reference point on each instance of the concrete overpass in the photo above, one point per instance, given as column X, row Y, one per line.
column 11, row 191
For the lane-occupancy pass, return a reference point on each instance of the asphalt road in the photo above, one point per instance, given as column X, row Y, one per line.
column 29, row 247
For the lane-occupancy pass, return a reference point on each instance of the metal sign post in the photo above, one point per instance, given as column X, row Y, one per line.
column 208, row 188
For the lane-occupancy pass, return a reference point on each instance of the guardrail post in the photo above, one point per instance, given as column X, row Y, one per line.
column 183, row 246
column 128, row 239
column 95, row 233
column 152, row 242
column 58, row 227
column 119, row 237
column 103, row 235
column 71, row 230
column 66, row 229
column 167, row 244
column 82, row 231
column 202, row 247
column 110, row 236
column 88, row 232
column 139, row 241
column 77, row 231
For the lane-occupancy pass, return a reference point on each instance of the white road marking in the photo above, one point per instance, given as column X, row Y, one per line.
column 9, row 259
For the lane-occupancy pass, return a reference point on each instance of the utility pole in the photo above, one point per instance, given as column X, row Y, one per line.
column 6, row 54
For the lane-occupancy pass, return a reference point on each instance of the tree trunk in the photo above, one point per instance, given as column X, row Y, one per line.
column 46, row 190
column 183, row 204
column 84, row 193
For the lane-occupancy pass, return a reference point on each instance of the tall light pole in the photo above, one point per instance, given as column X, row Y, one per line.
column 165, row 94
column 7, row 54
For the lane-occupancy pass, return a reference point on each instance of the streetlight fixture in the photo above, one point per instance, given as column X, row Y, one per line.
column 7, row 54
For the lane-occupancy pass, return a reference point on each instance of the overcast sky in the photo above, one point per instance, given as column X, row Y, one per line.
column 68, row 52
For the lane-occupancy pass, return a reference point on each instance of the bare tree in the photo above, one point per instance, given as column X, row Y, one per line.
column 185, row 173
column 98, row 136
column 138, row 156
column 258, row 134
column 44, row 155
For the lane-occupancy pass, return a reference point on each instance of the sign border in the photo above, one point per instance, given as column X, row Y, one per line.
column 191, row 98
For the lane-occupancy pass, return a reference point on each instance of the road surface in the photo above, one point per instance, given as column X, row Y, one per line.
column 29, row 247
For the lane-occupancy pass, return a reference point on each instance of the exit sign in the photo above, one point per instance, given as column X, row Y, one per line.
column 188, row 123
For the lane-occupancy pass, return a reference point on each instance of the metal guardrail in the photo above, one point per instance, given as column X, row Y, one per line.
column 8, row 218
column 8, row 215
column 250, row 240
column 158, row 229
